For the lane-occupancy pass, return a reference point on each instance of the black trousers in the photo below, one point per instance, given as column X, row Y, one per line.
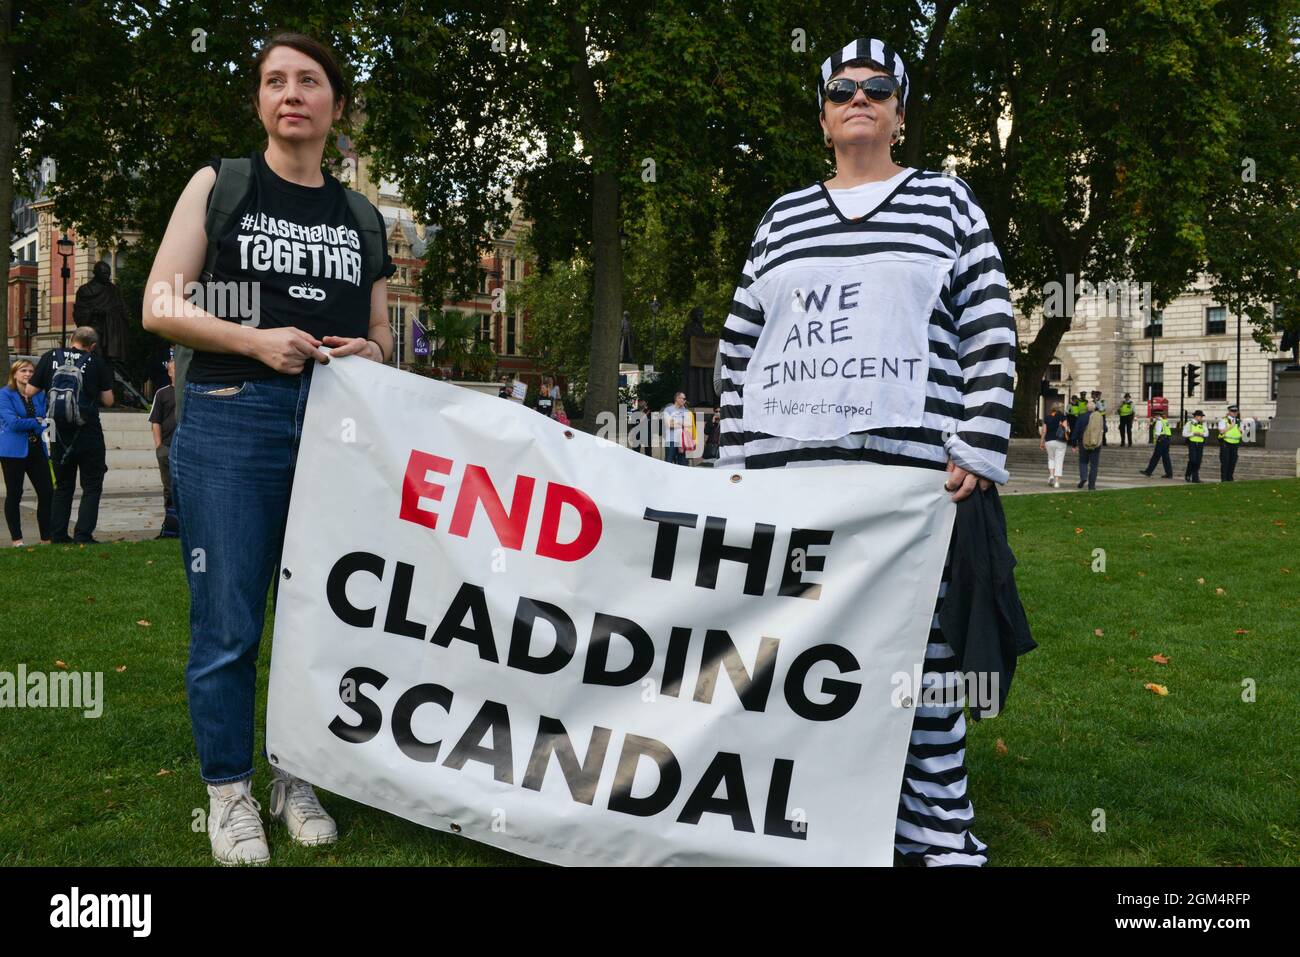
column 36, row 468
column 1227, row 460
column 83, row 453
column 1126, row 430
column 1195, row 452
column 1161, row 454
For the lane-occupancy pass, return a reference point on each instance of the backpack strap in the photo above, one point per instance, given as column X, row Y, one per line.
column 373, row 241
column 233, row 182
column 234, row 179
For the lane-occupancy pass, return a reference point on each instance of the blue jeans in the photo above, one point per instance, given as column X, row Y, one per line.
column 232, row 462
column 674, row 455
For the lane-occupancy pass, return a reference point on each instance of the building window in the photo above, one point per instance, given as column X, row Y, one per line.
column 1054, row 372
column 485, row 327
column 1153, row 379
column 512, row 335
column 512, row 267
column 1156, row 327
column 1216, row 320
column 1216, row 380
column 1278, row 365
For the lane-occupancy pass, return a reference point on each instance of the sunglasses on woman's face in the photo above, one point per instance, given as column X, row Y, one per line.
column 879, row 88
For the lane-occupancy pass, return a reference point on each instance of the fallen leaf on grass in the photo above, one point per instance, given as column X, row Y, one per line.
column 90, row 599
column 1200, row 581
column 1147, row 535
column 1279, row 524
column 1132, row 632
column 1098, row 632
column 61, row 664
column 1220, row 591
column 1158, row 689
column 1078, row 531
column 1286, row 571
column 1241, row 631
column 1001, row 746
column 1142, row 574
column 161, row 773
column 149, row 562
column 121, row 668
column 1160, row 660
column 144, row 621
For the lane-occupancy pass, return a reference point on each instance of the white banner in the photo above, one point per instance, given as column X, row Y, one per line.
column 500, row 627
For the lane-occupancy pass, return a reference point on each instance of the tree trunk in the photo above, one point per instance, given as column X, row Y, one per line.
column 607, row 253
column 7, row 134
column 1032, row 361
column 607, row 279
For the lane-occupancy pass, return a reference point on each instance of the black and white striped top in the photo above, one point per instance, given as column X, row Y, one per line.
column 971, row 331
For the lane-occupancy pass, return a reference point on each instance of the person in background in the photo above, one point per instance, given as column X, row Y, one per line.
column 1126, row 421
column 1100, row 405
column 547, row 396
column 507, row 388
column 77, row 448
column 1160, row 434
column 1195, row 432
column 645, row 428
column 162, row 422
column 1090, row 427
column 1229, row 443
column 22, row 452
column 675, row 425
column 1072, row 413
column 711, row 434
column 1053, row 434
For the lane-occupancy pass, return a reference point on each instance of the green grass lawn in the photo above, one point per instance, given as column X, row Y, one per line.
column 1206, row 577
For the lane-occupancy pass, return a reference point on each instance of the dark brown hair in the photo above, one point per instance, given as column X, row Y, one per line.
column 307, row 46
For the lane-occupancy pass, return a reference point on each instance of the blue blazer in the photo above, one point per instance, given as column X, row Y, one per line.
column 15, row 426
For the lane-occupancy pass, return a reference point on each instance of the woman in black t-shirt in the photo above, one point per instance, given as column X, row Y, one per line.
column 290, row 274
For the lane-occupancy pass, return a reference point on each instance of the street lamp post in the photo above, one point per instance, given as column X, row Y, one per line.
column 66, row 249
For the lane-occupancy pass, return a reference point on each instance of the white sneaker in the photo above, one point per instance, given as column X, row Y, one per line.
column 235, row 825
column 294, row 801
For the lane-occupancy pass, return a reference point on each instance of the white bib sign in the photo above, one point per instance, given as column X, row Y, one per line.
column 843, row 348
column 537, row 639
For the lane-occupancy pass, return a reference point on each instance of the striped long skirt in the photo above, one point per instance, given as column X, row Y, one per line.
column 935, row 815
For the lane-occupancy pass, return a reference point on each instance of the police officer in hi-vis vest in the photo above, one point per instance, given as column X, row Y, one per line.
column 1195, row 432
column 1126, row 421
column 1229, row 441
column 1161, row 433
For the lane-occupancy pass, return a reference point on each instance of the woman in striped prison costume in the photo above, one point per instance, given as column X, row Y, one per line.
column 912, row 247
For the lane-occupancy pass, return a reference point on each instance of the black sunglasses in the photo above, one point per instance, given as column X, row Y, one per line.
column 879, row 88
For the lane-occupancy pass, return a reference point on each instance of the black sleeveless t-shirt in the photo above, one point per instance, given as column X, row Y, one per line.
column 290, row 257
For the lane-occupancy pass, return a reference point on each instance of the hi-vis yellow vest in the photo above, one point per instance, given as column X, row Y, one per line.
column 1198, row 431
column 1126, row 408
column 1232, row 435
column 1162, row 428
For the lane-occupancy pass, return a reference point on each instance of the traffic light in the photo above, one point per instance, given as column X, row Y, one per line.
column 1193, row 376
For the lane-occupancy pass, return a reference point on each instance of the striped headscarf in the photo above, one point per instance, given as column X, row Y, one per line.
column 876, row 50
